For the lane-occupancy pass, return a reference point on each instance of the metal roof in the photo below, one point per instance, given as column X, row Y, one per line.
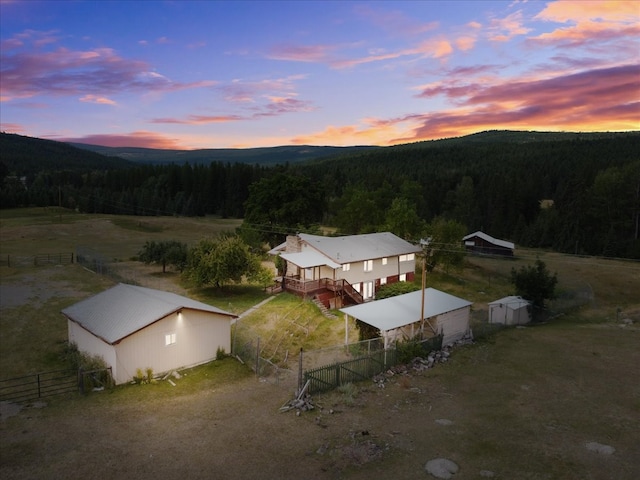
column 356, row 248
column 124, row 309
column 490, row 239
column 513, row 302
column 309, row 258
column 401, row 310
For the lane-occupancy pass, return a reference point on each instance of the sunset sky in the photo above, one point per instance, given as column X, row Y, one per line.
column 239, row 74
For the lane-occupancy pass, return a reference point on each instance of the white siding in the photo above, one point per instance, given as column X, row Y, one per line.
column 92, row 345
column 198, row 336
column 453, row 325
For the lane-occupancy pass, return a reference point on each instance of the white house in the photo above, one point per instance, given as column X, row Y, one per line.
column 399, row 318
column 353, row 264
column 133, row 327
column 510, row 310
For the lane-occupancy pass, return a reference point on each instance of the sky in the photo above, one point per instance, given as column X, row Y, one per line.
column 244, row 74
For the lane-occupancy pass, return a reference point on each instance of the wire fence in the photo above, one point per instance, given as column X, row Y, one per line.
column 98, row 263
column 37, row 260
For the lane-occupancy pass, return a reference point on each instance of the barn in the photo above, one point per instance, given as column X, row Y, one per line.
column 134, row 327
column 399, row 318
column 511, row 310
column 483, row 244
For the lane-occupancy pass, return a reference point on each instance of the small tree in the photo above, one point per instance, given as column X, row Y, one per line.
column 445, row 244
column 169, row 252
column 535, row 283
column 263, row 276
column 221, row 260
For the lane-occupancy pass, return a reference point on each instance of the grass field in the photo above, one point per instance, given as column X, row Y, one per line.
column 522, row 404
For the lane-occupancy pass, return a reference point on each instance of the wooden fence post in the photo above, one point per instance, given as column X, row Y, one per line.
column 258, row 358
column 81, row 380
column 300, row 370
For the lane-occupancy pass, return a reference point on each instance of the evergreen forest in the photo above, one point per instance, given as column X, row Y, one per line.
column 575, row 193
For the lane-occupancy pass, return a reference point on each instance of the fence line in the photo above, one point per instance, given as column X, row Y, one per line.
column 327, row 378
column 39, row 385
column 37, row 260
column 56, row 382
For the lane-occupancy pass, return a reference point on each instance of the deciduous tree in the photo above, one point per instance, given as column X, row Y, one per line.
column 166, row 252
column 222, row 260
column 535, row 283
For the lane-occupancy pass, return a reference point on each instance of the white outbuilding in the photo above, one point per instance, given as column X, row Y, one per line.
column 134, row 327
column 401, row 317
column 511, row 310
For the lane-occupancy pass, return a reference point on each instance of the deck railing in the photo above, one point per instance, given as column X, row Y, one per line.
column 310, row 286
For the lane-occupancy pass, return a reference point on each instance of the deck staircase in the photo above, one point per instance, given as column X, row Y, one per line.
column 323, row 309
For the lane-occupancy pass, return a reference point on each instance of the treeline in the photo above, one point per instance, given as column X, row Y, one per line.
column 184, row 190
column 578, row 195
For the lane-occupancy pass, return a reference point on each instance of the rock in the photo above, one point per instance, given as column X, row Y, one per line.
column 444, row 421
column 600, row 448
column 441, row 468
column 486, row 473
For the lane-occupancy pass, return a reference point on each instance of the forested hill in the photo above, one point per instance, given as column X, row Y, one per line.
column 591, row 182
column 26, row 156
column 267, row 156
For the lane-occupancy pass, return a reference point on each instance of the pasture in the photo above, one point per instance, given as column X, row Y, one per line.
column 522, row 404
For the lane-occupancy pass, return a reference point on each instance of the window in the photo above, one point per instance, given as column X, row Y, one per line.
column 403, row 277
column 368, row 265
column 169, row 339
column 384, row 260
column 383, row 281
column 408, row 257
column 346, row 267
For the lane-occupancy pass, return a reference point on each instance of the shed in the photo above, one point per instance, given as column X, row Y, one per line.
column 134, row 327
column 399, row 317
column 510, row 310
column 481, row 243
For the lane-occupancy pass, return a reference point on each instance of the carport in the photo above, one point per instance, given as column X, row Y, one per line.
column 401, row 317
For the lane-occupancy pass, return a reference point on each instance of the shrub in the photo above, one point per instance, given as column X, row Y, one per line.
column 220, row 353
column 349, row 392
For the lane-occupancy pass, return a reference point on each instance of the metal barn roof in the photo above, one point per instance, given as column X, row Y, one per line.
column 124, row 309
column 355, row 248
column 490, row 239
column 513, row 302
column 401, row 310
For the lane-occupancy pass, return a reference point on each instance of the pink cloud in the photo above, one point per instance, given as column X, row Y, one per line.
column 604, row 10
column 97, row 99
column 591, row 23
column 12, row 128
column 301, row 53
column 281, row 106
column 465, row 43
column 140, row 139
column 603, row 99
column 199, row 119
column 504, row 29
column 27, row 73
